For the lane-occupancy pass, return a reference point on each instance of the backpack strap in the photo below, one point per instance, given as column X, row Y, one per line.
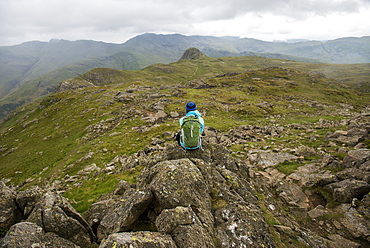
column 190, row 118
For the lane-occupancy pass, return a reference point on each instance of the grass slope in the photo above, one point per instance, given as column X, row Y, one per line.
column 56, row 137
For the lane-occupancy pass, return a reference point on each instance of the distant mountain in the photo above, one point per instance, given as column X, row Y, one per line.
column 33, row 69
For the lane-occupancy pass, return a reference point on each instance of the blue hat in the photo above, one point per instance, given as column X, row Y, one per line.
column 190, row 106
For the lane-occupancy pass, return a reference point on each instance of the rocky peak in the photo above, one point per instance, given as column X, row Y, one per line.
column 192, row 54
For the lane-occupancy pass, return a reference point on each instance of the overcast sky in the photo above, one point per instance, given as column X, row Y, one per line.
column 115, row 21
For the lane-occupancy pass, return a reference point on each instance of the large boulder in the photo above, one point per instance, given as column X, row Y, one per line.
column 346, row 190
column 55, row 214
column 185, row 227
column 338, row 241
column 27, row 234
column 356, row 224
column 27, row 200
column 203, row 205
column 355, row 158
column 9, row 211
column 176, row 183
column 356, row 165
column 125, row 212
column 97, row 212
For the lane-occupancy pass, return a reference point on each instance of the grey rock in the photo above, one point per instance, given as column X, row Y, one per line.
column 55, row 214
column 317, row 212
column 356, row 224
column 338, row 241
column 285, row 229
column 346, row 190
column 241, row 226
column 124, row 97
column 311, row 175
column 125, row 212
column 311, row 239
column 27, row 234
column 351, row 137
column 293, row 195
column 185, row 227
column 355, row 158
column 264, row 105
column 362, row 173
column 97, row 211
column 57, row 221
column 169, row 219
column 27, row 200
column 138, row 240
column 175, row 183
column 192, row 236
column 269, row 159
column 9, row 212
column 121, row 188
column 72, row 84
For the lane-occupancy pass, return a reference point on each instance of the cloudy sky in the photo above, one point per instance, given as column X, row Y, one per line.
column 115, row 21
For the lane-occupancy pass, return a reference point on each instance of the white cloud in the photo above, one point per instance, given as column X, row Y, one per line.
column 118, row 20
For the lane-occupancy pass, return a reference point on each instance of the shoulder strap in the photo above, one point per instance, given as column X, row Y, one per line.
column 190, row 118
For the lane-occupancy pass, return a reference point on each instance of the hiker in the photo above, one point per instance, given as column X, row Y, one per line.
column 192, row 126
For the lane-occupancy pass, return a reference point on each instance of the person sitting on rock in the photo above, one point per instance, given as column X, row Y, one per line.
column 192, row 126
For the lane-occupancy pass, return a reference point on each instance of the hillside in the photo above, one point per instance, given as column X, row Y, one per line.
column 33, row 69
column 285, row 153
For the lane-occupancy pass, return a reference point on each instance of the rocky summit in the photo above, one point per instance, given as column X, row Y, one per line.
column 208, row 198
column 184, row 199
column 285, row 160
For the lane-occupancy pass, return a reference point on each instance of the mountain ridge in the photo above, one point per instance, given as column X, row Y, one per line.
column 32, row 64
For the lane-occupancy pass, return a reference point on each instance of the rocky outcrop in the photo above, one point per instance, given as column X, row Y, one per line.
column 210, row 198
column 192, row 53
column 73, row 84
column 47, row 215
column 332, row 193
column 198, row 202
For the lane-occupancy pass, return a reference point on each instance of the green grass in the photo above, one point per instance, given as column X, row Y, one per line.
column 288, row 167
column 83, row 197
column 3, row 232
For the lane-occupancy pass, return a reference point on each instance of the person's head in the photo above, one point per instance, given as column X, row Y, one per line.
column 190, row 106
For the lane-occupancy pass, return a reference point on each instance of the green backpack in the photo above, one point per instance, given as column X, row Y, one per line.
column 190, row 133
